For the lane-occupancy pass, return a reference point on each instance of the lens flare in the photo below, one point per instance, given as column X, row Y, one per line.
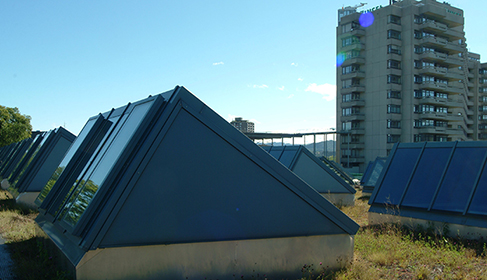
column 366, row 19
column 340, row 58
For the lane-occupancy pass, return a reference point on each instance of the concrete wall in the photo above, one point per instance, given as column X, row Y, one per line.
column 454, row 230
column 277, row 258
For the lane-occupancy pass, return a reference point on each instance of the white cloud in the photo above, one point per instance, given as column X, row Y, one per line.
column 290, row 96
column 300, row 79
column 260, row 86
column 327, row 90
column 281, row 88
column 218, row 63
column 294, row 64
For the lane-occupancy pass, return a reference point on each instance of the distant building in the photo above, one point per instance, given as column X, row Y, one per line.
column 243, row 125
column 408, row 77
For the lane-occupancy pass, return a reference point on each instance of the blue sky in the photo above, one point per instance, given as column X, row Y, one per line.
column 272, row 62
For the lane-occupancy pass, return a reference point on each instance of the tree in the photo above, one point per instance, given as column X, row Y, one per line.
column 14, row 126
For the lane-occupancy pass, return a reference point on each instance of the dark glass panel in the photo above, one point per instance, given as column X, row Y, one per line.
column 275, row 153
column 375, row 173
column 427, row 177
column 88, row 188
column 86, row 170
column 479, row 200
column 59, row 170
column 397, row 176
column 29, row 160
column 287, row 157
column 459, row 179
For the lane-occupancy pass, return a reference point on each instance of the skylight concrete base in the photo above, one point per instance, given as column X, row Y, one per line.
column 340, row 199
column 277, row 258
column 441, row 228
column 27, row 199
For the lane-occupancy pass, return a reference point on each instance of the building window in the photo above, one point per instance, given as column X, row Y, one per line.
column 482, row 108
column 418, row 34
column 483, row 99
column 350, row 83
column 394, row 19
column 394, row 64
column 393, row 109
column 393, row 124
column 418, row 79
column 395, row 94
column 393, row 49
column 418, row 19
column 350, row 111
column 393, row 34
column 354, row 96
column 418, row 49
column 429, row 123
column 423, row 93
column 351, row 152
column 393, row 79
column 350, row 69
column 350, row 26
column 393, row 138
column 417, row 64
column 350, row 41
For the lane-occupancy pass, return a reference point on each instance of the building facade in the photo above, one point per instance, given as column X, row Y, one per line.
column 404, row 74
column 243, row 125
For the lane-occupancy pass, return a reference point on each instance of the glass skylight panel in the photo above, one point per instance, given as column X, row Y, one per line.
column 72, row 150
column 397, row 176
column 479, row 200
column 287, row 157
column 459, row 180
column 57, row 205
column 275, row 153
column 89, row 185
column 427, row 177
column 17, row 174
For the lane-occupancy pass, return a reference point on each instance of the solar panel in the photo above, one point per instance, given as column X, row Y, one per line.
column 444, row 182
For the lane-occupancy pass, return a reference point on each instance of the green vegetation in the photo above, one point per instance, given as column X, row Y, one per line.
column 14, row 126
column 385, row 251
column 17, row 227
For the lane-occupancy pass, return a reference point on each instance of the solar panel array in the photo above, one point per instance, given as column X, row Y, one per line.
column 444, row 182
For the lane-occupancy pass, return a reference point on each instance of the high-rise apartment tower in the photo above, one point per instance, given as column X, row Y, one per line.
column 404, row 74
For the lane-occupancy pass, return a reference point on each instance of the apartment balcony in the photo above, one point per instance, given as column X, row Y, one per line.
column 353, row 103
column 445, row 102
column 434, row 71
column 454, row 35
column 354, row 46
column 436, row 56
column 434, row 26
column 456, row 131
column 357, row 32
column 432, row 129
column 355, row 88
column 454, row 60
column 354, row 60
column 454, row 73
column 352, row 159
column 354, row 117
column 434, row 41
column 440, row 116
column 455, row 47
column 356, row 74
column 455, row 89
column 434, row 86
column 352, row 145
column 354, row 131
